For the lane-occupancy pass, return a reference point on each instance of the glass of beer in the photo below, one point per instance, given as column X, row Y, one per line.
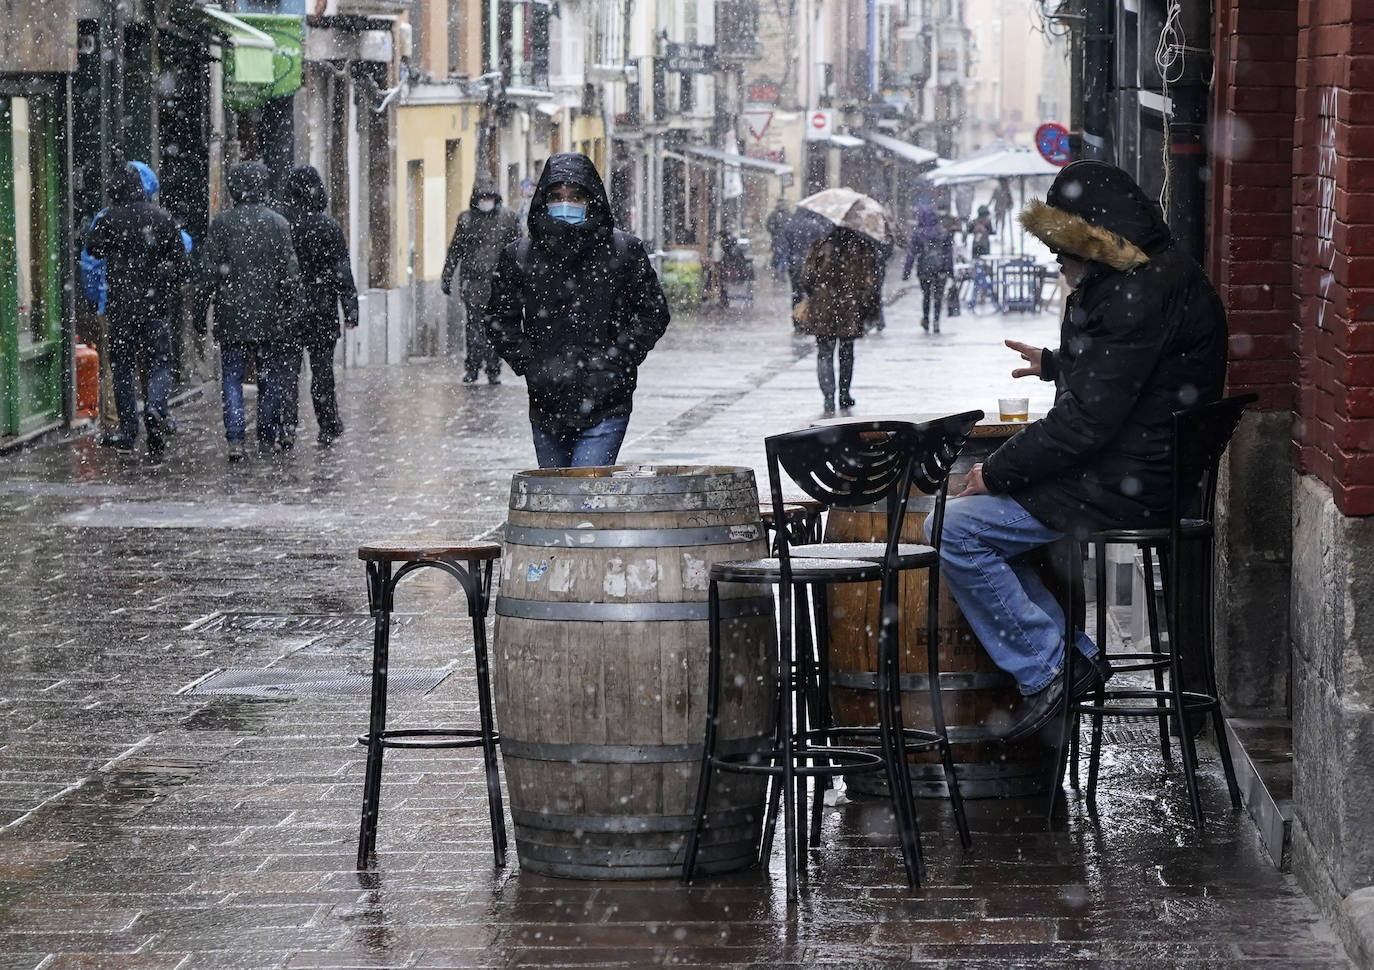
column 1014, row 408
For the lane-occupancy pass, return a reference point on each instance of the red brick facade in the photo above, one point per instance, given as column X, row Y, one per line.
column 1293, row 224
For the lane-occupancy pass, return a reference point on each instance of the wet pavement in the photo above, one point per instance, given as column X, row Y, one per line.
column 146, row 826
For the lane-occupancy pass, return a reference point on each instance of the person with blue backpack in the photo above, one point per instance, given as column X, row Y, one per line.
column 145, row 263
column 95, row 289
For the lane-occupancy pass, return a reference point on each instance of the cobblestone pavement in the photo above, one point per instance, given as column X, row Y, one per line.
column 142, row 826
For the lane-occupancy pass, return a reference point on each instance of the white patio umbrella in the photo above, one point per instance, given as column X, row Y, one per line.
column 999, row 162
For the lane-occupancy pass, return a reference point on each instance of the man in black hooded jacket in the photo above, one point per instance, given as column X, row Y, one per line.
column 252, row 276
column 1143, row 336
column 326, row 287
column 576, row 308
column 486, row 228
column 146, row 264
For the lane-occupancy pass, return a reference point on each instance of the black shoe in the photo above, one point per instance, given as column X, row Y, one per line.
column 1036, row 711
column 470, row 377
column 846, row 401
column 326, row 438
column 236, row 452
column 493, row 378
column 1092, row 674
column 827, row 409
column 158, row 430
column 925, row 325
column 119, row 442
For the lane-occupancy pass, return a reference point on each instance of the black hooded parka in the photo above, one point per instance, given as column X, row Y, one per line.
column 478, row 238
column 1143, row 336
column 322, row 254
column 250, row 266
column 141, row 241
column 575, row 309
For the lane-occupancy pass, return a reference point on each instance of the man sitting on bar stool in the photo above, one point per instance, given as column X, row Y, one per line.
column 1143, row 335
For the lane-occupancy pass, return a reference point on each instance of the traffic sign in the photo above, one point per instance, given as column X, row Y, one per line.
column 819, row 124
column 1052, row 141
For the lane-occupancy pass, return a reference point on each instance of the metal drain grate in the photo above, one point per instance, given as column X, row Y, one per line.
column 352, row 624
column 296, row 683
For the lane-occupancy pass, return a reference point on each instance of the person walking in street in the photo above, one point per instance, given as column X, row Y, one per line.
column 979, row 232
column 326, row 288
column 482, row 232
column 145, row 263
column 840, row 279
column 931, row 250
column 576, row 308
column 804, row 229
column 253, row 279
column 776, row 224
column 1143, row 336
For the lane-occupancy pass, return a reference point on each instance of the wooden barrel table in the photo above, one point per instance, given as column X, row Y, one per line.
column 599, row 665
column 977, row 694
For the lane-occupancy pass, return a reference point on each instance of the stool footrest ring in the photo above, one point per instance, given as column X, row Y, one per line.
column 915, row 740
column 848, row 761
column 1191, row 701
column 429, row 738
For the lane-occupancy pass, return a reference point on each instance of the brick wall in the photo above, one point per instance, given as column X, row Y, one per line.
column 1333, row 248
column 1252, row 215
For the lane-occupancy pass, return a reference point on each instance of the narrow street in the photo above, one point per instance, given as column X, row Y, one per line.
column 144, row 827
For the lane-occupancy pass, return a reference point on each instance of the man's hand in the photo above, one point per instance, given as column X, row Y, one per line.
column 973, row 485
column 1029, row 354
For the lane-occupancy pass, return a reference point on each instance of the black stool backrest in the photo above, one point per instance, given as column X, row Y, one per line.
column 859, row 463
column 1201, row 435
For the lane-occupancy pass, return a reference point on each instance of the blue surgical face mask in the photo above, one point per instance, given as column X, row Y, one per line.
column 573, row 213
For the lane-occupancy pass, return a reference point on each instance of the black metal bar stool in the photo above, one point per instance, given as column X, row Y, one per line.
column 470, row 563
column 1200, row 437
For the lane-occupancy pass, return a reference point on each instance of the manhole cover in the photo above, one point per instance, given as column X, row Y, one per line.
column 351, row 624
column 294, row 683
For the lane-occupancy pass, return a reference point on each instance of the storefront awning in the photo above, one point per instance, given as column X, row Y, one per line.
column 904, row 150
column 253, row 49
column 780, row 169
column 246, row 86
column 846, row 141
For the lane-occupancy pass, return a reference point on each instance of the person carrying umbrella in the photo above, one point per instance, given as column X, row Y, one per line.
column 840, row 281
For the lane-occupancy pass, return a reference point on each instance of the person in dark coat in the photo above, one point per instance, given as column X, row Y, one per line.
column 1143, row 335
column 576, row 308
column 804, row 228
column 251, row 275
column 840, row 278
column 481, row 233
column 326, row 288
column 776, row 224
column 931, row 250
column 145, row 264
column 980, row 231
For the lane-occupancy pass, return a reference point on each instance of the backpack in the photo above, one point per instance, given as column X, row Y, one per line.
column 93, row 284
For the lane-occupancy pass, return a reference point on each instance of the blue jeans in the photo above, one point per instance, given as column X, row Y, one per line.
column 1015, row 617
column 598, row 445
column 233, row 363
column 128, row 338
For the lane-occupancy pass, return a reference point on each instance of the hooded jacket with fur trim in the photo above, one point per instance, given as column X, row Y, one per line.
column 1143, row 336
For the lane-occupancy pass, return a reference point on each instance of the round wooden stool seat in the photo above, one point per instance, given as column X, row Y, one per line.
column 419, row 550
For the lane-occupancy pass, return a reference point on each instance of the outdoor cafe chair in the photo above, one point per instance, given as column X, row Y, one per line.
column 844, row 465
column 1200, row 438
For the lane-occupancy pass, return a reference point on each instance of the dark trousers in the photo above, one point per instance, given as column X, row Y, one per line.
column 479, row 353
column 825, row 367
column 932, row 296
column 322, row 398
column 279, row 365
column 151, row 337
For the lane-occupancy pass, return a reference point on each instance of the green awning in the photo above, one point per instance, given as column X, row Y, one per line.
column 256, row 74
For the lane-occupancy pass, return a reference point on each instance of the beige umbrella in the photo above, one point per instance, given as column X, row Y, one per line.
column 850, row 210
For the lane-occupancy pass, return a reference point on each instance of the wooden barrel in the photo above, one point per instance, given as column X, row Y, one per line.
column 599, row 663
column 977, row 695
